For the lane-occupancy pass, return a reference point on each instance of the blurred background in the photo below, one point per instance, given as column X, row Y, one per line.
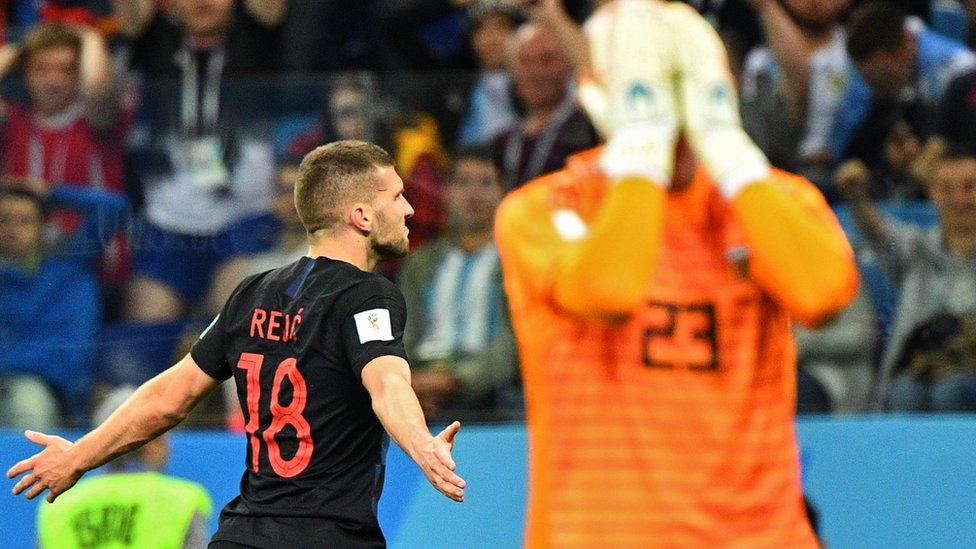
column 148, row 150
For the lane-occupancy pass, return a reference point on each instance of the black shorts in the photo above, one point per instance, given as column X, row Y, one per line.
column 220, row 544
column 262, row 532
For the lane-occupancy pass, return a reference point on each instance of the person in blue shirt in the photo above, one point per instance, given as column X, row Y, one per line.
column 895, row 60
column 50, row 301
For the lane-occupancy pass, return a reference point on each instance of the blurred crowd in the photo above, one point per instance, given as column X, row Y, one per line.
column 149, row 150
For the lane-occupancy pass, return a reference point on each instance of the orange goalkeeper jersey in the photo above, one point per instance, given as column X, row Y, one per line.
column 674, row 427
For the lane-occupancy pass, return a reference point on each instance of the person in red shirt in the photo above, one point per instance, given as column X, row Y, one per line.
column 71, row 129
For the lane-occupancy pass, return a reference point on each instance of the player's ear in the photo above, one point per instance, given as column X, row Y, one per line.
column 362, row 217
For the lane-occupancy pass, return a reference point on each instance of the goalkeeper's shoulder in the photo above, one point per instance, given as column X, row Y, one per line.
column 522, row 208
column 797, row 185
column 528, row 212
column 779, row 187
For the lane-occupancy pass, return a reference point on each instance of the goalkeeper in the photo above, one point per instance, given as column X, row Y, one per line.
column 652, row 284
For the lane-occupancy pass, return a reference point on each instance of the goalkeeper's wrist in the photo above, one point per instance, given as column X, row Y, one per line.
column 649, row 176
column 643, row 152
column 733, row 183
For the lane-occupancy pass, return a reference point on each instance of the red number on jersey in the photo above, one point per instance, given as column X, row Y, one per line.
column 281, row 416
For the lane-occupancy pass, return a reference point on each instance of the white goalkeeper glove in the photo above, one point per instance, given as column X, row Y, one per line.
column 631, row 97
column 709, row 106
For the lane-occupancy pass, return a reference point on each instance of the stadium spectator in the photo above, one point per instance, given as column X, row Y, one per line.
column 432, row 34
column 351, row 113
column 934, row 269
column 955, row 125
column 334, row 35
column 937, row 369
column 290, row 244
column 202, row 37
column 131, row 505
column 491, row 103
column 210, row 169
column 457, row 331
column 902, row 70
column 71, row 128
column 50, row 300
column 791, row 85
column 970, row 7
column 421, row 158
column 553, row 126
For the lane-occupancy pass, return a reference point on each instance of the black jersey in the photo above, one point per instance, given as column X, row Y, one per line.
column 296, row 340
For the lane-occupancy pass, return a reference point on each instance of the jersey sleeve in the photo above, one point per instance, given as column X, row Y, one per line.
column 530, row 247
column 208, row 350
column 372, row 316
column 598, row 268
column 798, row 251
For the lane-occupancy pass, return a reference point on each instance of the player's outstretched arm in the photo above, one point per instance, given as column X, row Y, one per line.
column 387, row 378
column 157, row 406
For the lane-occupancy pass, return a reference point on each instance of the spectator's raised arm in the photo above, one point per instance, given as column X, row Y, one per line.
column 791, row 49
column 893, row 242
column 134, row 15
column 269, row 13
column 553, row 15
column 97, row 80
column 9, row 55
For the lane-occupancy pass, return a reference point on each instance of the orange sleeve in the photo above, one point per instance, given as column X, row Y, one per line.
column 797, row 250
column 604, row 273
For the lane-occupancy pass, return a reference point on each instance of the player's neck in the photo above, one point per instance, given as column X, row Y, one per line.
column 292, row 240
column 342, row 249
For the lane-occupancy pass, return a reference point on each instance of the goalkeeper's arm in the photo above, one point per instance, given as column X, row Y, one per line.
column 627, row 89
column 607, row 272
column 797, row 250
column 599, row 267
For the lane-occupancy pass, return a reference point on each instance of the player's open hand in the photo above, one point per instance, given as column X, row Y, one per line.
column 438, row 465
column 50, row 469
